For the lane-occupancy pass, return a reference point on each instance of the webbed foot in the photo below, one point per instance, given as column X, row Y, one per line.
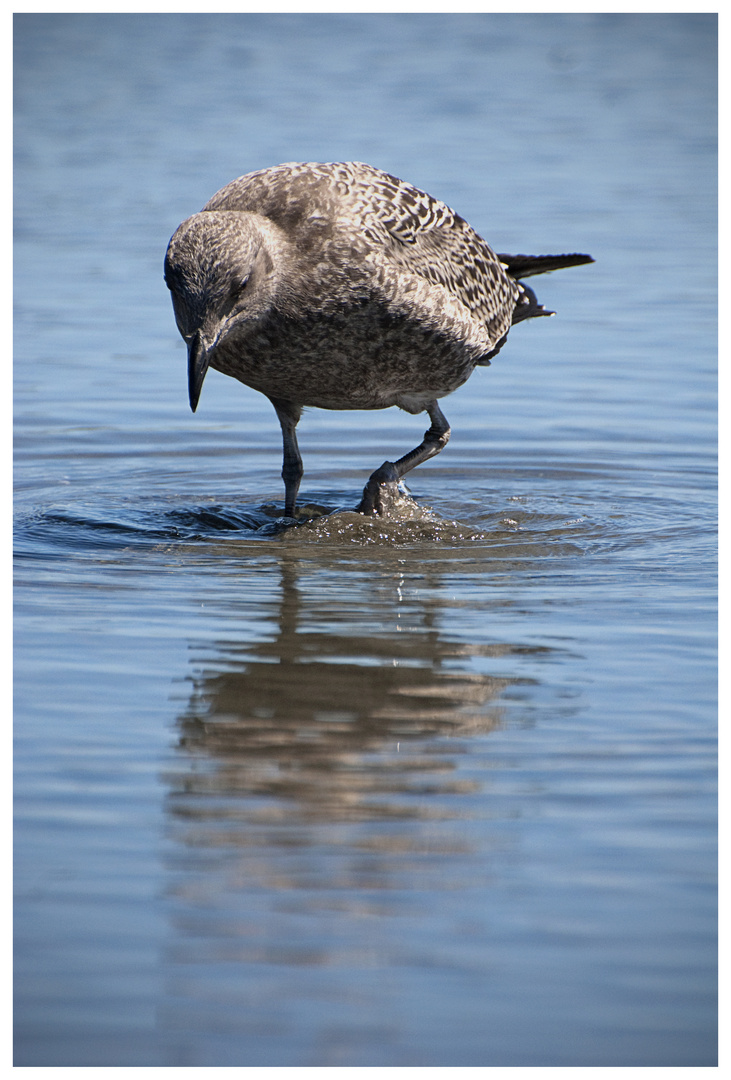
column 381, row 493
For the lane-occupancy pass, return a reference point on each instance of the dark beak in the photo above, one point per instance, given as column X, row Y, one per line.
column 198, row 358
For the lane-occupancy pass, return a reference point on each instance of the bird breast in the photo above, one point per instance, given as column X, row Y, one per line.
column 355, row 353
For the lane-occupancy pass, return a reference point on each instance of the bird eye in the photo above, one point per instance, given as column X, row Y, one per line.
column 237, row 287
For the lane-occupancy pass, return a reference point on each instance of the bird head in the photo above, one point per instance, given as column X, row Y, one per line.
column 219, row 273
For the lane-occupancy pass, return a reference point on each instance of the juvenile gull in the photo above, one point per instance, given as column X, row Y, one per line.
column 340, row 287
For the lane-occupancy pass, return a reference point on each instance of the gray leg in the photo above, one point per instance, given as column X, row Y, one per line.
column 292, row 468
column 382, row 486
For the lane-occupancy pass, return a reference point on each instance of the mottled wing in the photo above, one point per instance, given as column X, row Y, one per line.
column 419, row 233
column 431, row 240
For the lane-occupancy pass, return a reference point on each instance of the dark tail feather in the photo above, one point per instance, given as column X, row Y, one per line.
column 520, row 266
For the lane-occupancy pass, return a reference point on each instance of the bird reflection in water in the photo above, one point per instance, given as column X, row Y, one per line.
column 326, row 784
column 347, row 722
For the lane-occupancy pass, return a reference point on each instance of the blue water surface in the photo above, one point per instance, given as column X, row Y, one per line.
column 432, row 791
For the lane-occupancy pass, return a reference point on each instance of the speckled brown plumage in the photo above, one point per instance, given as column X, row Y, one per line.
column 339, row 286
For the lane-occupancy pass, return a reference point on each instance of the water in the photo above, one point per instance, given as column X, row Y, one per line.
column 433, row 791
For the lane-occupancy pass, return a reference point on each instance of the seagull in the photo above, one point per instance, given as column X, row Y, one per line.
column 337, row 286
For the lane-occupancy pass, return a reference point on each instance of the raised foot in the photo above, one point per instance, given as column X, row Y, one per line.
column 381, row 494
